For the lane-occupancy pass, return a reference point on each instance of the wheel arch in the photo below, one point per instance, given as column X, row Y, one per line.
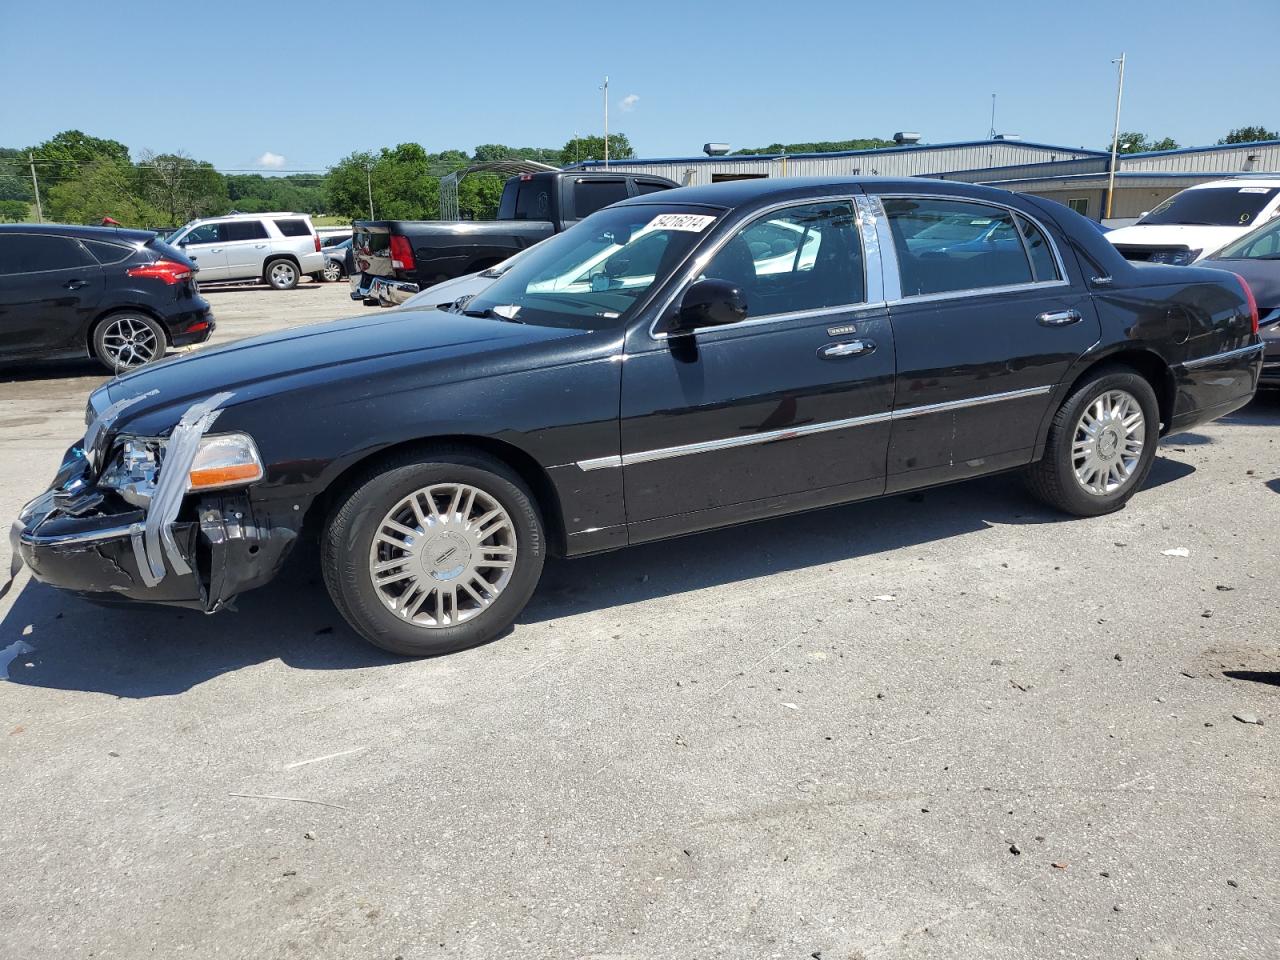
column 520, row 461
column 1142, row 360
column 273, row 257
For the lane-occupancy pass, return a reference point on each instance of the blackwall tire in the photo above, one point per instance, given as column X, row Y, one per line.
column 437, row 583
column 1089, row 470
column 281, row 274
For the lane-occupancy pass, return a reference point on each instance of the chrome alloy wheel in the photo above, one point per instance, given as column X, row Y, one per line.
column 1108, row 442
column 442, row 555
column 130, row 342
column 332, row 271
column 282, row 273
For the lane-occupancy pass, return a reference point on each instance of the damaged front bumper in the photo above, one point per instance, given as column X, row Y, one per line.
column 383, row 291
column 227, row 546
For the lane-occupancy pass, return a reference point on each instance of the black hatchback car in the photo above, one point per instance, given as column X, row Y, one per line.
column 123, row 296
column 676, row 362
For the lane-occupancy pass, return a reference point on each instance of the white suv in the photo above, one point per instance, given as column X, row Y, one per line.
column 276, row 247
column 1199, row 221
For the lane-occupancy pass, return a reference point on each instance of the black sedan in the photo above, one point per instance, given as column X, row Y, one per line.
column 123, row 296
column 673, row 363
column 1256, row 258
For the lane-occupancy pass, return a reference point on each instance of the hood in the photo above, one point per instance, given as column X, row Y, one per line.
column 449, row 291
column 307, row 356
column 1263, row 277
column 1206, row 239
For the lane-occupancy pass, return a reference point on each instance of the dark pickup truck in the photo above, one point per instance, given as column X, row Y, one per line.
column 391, row 260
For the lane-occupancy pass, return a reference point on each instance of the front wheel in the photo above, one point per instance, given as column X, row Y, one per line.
column 431, row 554
column 332, row 271
column 1101, row 445
column 282, row 274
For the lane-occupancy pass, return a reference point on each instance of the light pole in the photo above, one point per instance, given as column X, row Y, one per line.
column 368, row 179
column 606, row 122
column 1115, row 140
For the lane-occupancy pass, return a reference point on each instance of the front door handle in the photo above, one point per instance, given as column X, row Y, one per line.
column 851, row 348
column 1059, row 318
column 75, row 284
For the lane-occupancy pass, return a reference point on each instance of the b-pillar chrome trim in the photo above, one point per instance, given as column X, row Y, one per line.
column 788, row 433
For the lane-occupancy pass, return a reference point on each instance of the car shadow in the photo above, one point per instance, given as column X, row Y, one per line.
column 1269, row 677
column 31, row 370
column 216, row 288
column 139, row 651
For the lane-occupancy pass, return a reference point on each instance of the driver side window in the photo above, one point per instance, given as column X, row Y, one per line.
column 801, row 258
column 206, row 233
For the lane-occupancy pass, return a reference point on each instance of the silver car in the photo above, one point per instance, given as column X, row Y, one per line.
column 277, row 248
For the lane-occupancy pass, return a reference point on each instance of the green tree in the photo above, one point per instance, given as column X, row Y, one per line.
column 62, row 157
column 1133, row 141
column 14, row 211
column 592, row 148
column 403, row 187
column 499, row 151
column 478, row 196
column 1249, row 135
column 180, row 187
column 15, row 175
column 820, row 146
column 103, row 188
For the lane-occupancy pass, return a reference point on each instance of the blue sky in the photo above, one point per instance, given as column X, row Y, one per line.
column 233, row 82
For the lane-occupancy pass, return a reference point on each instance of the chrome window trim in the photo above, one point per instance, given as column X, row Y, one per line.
column 1205, row 361
column 843, row 310
column 975, row 291
column 789, row 433
column 892, row 278
column 700, row 261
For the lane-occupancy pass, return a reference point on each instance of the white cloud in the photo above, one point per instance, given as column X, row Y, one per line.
column 629, row 102
column 272, row 161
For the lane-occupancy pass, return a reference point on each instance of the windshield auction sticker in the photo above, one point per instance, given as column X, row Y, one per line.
column 688, row 222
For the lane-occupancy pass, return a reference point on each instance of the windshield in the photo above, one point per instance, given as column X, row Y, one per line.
column 1212, row 207
column 593, row 275
column 1262, row 244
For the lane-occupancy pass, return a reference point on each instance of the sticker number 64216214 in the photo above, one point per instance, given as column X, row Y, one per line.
column 688, row 222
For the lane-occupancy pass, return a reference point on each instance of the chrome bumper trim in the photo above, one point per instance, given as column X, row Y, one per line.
column 1228, row 355
column 33, row 538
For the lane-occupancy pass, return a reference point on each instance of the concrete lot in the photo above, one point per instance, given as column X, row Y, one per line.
column 823, row 735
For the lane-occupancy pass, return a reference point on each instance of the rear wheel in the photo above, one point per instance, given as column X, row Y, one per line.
column 431, row 554
column 1101, row 445
column 332, row 271
column 124, row 341
column 282, row 274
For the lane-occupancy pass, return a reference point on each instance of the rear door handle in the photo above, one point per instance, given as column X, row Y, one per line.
column 75, row 284
column 851, row 348
column 1059, row 318
column 259, row 246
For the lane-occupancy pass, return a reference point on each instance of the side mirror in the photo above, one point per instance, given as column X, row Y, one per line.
column 1143, row 214
column 710, row 303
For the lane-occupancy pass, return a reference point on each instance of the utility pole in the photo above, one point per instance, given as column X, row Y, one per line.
column 606, row 122
column 35, row 187
column 1115, row 140
column 368, row 179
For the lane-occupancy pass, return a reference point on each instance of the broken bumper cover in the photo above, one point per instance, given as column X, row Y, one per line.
column 382, row 290
column 228, row 547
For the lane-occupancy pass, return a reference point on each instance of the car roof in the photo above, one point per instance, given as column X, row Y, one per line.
column 735, row 193
column 1236, row 181
column 251, row 216
column 80, row 232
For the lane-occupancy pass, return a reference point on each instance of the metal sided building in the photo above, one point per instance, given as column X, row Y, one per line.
column 1074, row 176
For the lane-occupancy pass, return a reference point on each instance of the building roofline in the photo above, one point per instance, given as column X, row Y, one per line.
column 876, row 151
column 1216, row 146
column 1121, row 175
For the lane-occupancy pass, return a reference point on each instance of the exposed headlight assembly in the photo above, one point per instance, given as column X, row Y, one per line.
column 220, row 461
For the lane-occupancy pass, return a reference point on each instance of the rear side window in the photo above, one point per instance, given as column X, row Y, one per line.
column 246, row 230
column 1043, row 264
column 533, row 200
column 945, row 246
column 35, row 253
column 590, row 195
column 293, row 228
column 650, row 186
column 105, row 252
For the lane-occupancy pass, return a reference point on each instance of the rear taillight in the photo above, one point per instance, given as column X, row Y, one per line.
column 401, row 253
column 1250, row 301
column 169, row 271
column 317, row 239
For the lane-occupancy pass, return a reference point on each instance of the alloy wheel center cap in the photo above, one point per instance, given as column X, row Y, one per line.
column 446, row 555
column 1108, row 443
